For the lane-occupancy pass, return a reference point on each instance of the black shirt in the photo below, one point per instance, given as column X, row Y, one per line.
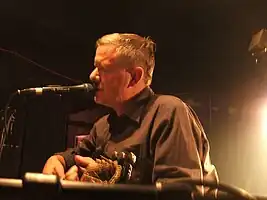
column 161, row 130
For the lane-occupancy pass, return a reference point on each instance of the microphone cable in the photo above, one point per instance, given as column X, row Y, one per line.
column 39, row 65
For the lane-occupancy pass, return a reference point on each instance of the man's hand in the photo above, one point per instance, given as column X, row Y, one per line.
column 55, row 165
column 72, row 174
column 81, row 163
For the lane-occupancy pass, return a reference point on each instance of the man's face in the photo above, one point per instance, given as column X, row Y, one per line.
column 110, row 75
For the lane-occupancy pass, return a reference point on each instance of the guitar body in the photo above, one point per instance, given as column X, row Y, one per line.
column 117, row 169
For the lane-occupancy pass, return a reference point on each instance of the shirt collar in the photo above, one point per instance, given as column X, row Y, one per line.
column 135, row 106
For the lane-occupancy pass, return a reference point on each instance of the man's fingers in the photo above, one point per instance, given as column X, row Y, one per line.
column 83, row 161
column 82, row 170
column 72, row 174
column 72, row 177
column 59, row 171
column 54, row 166
column 72, row 170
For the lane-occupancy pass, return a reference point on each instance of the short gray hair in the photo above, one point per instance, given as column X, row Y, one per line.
column 139, row 50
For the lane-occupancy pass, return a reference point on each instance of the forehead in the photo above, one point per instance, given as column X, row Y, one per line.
column 105, row 54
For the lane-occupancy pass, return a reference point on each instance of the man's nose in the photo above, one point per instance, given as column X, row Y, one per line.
column 94, row 76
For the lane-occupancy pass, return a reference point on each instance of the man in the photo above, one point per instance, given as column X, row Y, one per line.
column 161, row 130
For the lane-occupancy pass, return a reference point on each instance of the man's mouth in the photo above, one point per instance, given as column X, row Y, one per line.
column 97, row 87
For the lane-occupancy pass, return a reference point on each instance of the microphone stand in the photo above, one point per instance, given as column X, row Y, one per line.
column 34, row 143
column 22, row 143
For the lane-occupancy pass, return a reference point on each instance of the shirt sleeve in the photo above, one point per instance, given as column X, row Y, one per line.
column 176, row 143
column 85, row 148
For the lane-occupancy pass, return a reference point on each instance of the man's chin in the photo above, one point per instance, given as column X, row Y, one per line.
column 99, row 101
column 102, row 102
column 97, row 97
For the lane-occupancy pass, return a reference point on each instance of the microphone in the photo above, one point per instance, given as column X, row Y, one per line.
column 85, row 87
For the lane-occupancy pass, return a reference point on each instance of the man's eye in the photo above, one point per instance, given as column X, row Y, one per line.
column 101, row 70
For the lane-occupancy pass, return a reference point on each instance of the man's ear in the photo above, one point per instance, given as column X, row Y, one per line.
column 137, row 75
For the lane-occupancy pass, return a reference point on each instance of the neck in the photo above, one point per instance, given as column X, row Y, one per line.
column 119, row 109
column 120, row 106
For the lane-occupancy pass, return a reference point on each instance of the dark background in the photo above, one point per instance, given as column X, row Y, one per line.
column 202, row 57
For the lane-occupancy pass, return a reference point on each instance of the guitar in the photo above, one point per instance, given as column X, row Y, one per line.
column 117, row 169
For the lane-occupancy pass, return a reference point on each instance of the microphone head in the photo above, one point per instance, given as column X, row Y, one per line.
column 89, row 87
